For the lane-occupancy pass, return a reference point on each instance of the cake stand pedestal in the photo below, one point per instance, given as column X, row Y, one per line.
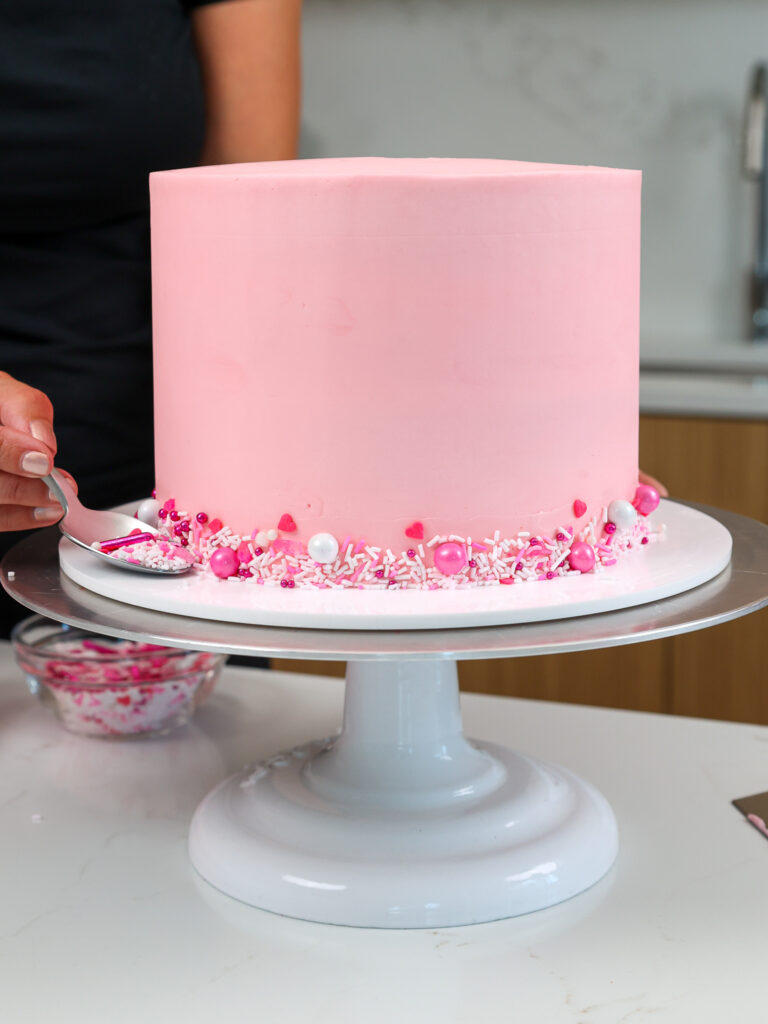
column 401, row 821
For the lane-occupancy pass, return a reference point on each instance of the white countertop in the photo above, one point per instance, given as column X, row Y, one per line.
column 102, row 919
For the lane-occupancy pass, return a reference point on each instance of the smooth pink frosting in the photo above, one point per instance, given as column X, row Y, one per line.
column 365, row 343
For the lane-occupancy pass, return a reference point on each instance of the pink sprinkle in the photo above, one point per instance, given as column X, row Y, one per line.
column 91, row 645
column 360, row 546
column 480, row 547
column 170, row 505
column 120, row 542
column 287, row 523
column 507, row 581
column 244, row 552
column 757, row 821
column 215, row 525
column 610, row 561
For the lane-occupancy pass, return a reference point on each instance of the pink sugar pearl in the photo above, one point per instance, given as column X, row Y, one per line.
column 450, row 558
column 224, row 563
column 647, row 499
column 582, row 557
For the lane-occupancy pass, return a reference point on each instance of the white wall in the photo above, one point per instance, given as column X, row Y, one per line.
column 654, row 84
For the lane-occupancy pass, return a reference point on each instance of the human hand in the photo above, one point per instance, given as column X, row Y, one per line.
column 644, row 478
column 27, row 450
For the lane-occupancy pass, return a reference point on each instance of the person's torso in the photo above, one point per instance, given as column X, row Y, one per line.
column 93, row 96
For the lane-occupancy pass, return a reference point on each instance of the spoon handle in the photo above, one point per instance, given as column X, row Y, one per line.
column 60, row 489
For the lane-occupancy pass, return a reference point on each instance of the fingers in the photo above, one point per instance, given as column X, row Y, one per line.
column 27, row 410
column 26, row 503
column 23, row 455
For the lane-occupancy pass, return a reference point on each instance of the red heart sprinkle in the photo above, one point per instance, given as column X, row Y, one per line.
column 415, row 530
column 286, row 523
column 124, row 700
column 579, row 508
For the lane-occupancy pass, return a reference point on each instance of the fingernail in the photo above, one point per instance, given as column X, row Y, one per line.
column 42, row 431
column 35, row 463
column 46, row 514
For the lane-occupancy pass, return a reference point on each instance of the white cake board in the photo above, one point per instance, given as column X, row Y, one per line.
column 695, row 549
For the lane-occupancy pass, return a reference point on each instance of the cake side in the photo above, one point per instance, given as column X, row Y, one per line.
column 388, row 358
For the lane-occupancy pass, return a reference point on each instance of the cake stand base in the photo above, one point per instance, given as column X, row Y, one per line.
column 401, row 821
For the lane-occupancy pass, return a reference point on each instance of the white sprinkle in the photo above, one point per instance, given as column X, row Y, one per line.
column 11, row 575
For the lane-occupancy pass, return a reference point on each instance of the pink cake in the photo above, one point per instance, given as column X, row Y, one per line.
column 395, row 373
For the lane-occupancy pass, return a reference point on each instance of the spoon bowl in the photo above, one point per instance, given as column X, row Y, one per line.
column 86, row 527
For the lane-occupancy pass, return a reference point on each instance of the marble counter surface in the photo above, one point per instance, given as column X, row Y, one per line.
column 103, row 919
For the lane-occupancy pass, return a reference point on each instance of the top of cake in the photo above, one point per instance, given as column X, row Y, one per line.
column 385, row 167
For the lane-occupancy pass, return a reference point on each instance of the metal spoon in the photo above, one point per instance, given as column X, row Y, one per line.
column 86, row 526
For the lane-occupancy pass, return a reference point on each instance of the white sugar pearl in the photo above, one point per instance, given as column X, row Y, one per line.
column 262, row 539
column 621, row 513
column 323, row 547
column 147, row 511
column 272, row 534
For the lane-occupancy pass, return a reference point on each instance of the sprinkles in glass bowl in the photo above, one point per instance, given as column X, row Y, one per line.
column 108, row 687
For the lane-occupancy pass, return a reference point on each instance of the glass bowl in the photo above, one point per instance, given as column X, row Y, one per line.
column 104, row 686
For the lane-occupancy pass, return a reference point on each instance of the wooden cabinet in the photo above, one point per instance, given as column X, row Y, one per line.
column 714, row 673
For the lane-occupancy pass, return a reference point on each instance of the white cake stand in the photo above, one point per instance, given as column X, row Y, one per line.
column 401, row 821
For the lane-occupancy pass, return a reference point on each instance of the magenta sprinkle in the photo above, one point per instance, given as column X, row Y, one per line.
column 162, row 513
column 120, row 542
column 550, row 575
column 644, row 540
column 411, row 553
column 175, row 517
column 610, row 527
column 224, row 563
column 178, row 529
column 202, row 518
column 244, row 572
column 258, row 551
column 284, row 583
column 380, row 574
column 291, row 583
column 533, row 540
column 472, row 563
column 518, row 567
column 154, row 494
column 560, row 537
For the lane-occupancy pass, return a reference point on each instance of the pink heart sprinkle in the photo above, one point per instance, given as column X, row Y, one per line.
column 415, row 530
column 579, row 508
column 286, row 523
